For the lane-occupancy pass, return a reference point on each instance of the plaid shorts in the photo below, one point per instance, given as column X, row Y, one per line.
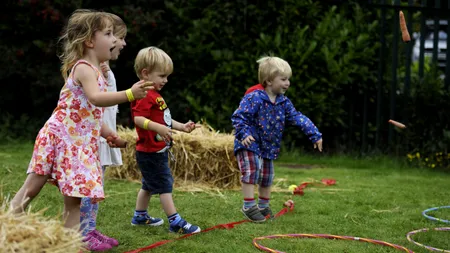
column 254, row 169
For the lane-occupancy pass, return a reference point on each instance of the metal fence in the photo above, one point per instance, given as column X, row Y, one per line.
column 431, row 39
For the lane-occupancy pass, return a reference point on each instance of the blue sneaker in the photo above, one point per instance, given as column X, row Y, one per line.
column 146, row 220
column 184, row 227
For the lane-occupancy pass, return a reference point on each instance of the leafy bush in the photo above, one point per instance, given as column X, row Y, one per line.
column 333, row 52
column 330, row 54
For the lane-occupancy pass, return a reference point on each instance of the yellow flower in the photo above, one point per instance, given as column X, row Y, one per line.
column 426, row 159
column 410, row 156
column 418, row 155
column 433, row 165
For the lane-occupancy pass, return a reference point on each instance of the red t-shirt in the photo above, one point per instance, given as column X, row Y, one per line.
column 154, row 108
column 253, row 88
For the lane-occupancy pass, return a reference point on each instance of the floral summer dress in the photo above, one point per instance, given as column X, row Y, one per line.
column 67, row 145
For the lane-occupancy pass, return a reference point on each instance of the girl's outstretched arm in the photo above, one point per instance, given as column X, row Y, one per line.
column 86, row 76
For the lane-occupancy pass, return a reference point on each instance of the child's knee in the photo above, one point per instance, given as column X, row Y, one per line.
column 34, row 184
column 72, row 202
column 32, row 189
column 32, row 192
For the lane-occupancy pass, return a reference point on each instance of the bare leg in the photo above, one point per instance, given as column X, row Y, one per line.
column 71, row 213
column 142, row 200
column 167, row 204
column 264, row 192
column 30, row 189
column 248, row 190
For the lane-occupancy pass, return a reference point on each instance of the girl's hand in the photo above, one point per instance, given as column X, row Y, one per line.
column 190, row 126
column 140, row 89
column 114, row 141
column 105, row 68
column 318, row 145
column 248, row 141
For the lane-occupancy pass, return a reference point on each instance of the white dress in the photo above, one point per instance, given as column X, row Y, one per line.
column 110, row 156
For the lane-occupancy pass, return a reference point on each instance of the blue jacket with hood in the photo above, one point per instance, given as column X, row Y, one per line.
column 265, row 121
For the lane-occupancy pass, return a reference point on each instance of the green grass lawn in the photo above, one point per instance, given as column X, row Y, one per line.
column 373, row 198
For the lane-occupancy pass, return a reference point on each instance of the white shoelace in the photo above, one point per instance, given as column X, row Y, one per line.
column 187, row 226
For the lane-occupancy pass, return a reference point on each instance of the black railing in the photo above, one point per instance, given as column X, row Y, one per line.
column 429, row 15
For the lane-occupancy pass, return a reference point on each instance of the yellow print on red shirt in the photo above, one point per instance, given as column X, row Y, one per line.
column 162, row 104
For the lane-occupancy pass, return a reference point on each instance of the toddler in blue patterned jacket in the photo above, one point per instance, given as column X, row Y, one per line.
column 259, row 123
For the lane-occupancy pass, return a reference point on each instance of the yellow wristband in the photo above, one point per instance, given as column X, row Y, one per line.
column 129, row 95
column 145, row 126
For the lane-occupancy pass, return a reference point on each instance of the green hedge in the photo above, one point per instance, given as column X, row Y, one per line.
column 333, row 51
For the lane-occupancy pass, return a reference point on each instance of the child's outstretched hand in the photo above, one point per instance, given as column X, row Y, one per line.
column 140, row 89
column 105, row 68
column 248, row 140
column 165, row 133
column 318, row 145
column 190, row 126
column 114, row 141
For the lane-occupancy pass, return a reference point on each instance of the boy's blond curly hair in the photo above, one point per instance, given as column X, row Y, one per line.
column 153, row 59
column 271, row 67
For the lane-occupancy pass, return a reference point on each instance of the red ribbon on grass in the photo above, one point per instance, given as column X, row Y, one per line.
column 289, row 208
column 324, row 181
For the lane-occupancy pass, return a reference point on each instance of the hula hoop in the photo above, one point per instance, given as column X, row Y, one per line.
column 424, row 213
column 326, row 236
column 408, row 236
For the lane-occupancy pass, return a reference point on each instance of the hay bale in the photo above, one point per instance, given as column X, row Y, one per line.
column 32, row 232
column 204, row 156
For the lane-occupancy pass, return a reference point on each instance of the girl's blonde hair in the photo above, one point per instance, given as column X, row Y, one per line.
column 80, row 28
column 153, row 59
column 271, row 67
column 120, row 28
